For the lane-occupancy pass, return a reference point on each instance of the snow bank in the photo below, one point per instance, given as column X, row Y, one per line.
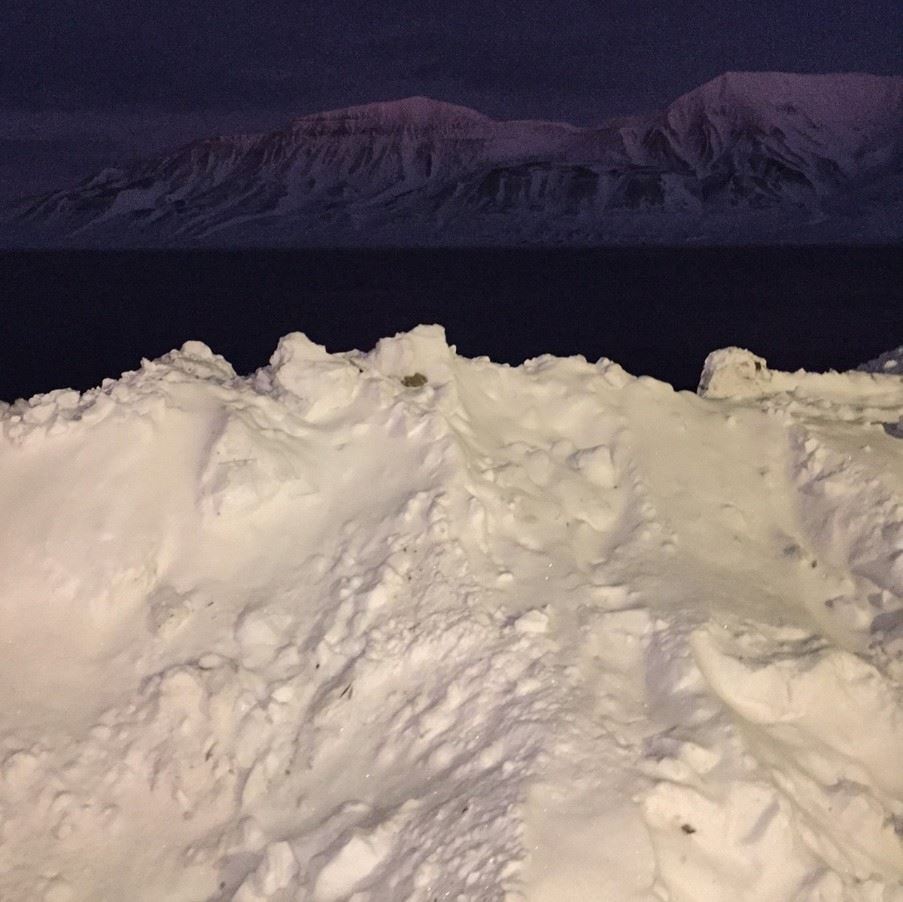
column 403, row 625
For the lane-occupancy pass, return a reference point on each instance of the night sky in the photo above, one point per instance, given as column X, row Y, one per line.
column 89, row 82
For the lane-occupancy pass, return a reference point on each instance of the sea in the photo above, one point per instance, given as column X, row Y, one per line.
column 72, row 318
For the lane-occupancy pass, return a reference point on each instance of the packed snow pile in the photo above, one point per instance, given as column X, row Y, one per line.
column 890, row 362
column 404, row 625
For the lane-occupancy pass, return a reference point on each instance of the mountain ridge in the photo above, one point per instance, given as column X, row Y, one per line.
column 745, row 156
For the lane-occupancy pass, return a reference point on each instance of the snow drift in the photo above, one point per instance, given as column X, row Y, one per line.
column 403, row 625
column 746, row 157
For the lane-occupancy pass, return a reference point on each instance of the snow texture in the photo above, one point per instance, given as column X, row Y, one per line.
column 407, row 626
column 746, row 157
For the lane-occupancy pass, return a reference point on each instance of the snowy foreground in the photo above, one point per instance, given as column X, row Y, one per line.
column 335, row 632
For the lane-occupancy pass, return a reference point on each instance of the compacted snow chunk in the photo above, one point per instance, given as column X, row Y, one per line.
column 404, row 625
column 889, row 363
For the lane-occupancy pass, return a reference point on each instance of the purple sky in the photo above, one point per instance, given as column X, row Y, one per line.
column 84, row 83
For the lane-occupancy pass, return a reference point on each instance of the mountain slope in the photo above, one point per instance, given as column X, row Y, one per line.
column 746, row 155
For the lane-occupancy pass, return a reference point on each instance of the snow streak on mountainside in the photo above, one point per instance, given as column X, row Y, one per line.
column 408, row 626
column 748, row 156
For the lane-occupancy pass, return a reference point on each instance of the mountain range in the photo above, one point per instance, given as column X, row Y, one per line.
column 746, row 157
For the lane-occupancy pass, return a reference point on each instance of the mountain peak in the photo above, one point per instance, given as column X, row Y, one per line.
column 407, row 111
column 834, row 98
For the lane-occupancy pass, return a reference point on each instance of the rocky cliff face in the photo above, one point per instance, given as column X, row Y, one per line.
column 747, row 156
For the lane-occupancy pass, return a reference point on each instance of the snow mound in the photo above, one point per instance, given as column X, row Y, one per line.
column 871, row 393
column 404, row 625
column 889, row 363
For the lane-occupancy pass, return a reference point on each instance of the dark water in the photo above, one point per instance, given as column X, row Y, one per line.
column 73, row 318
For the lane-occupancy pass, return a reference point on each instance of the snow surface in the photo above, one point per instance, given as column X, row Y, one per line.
column 403, row 625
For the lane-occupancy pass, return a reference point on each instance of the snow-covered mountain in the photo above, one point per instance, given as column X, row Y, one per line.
column 747, row 156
